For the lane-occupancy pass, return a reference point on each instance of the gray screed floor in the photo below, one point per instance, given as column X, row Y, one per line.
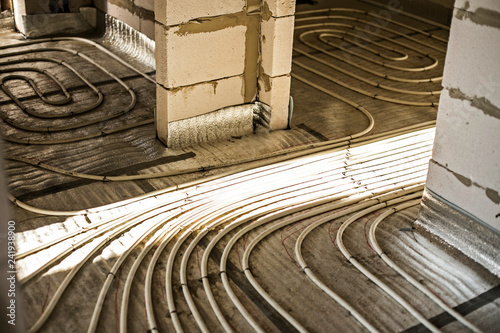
column 275, row 231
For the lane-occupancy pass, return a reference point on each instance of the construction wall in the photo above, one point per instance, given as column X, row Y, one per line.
column 44, row 17
column 210, row 55
column 465, row 167
column 40, row 18
column 139, row 14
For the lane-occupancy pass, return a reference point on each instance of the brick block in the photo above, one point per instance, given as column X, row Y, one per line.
column 148, row 28
column 126, row 4
column 188, row 58
column 467, row 141
column 472, row 60
column 161, row 53
column 276, row 45
column 275, row 91
column 280, row 8
column 174, row 12
column 160, row 9
column 191, row 101
column 146, row 4
column 124, row 15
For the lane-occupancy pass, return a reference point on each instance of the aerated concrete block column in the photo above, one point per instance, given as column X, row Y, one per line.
column 212, row 55
column 465, row 167
column 276, row 47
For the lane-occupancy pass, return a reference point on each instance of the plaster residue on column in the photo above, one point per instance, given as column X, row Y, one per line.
column 466, row 147
column 474, row 35
column 183, row 11
column 479, row 12
column 480, row 103
column 466, row 194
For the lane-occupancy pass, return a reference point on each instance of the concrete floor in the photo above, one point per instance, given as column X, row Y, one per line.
column 455, row 278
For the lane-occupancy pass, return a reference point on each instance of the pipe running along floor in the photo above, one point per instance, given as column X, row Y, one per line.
column 310, row 229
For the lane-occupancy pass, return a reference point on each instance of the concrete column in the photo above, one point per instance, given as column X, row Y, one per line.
column 212, row 55
column 465, row 167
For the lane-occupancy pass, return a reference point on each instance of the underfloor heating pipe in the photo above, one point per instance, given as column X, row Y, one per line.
column 261, row 162
column 187, row 252
column 109, row 237
column 352, row 205
column 254, row 225
column 376, row 247
column 370, row 275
